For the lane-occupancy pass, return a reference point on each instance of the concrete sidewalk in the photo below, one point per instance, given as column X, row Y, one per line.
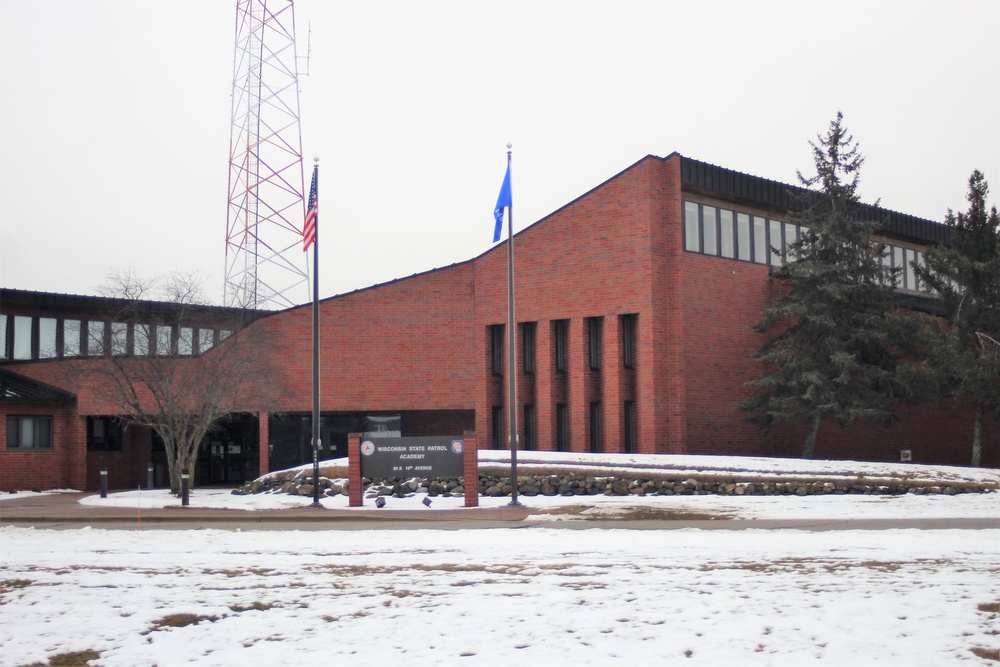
column 65, row 508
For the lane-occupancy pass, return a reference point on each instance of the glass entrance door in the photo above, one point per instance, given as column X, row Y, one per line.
column 221, row 462
column 228, row 455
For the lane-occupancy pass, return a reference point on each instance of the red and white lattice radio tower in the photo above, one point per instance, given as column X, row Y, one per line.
column 265, row 264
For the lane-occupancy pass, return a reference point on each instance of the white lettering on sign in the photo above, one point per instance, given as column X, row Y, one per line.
column 411, row 456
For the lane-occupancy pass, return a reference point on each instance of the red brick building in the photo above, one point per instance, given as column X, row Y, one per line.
column 635, row 304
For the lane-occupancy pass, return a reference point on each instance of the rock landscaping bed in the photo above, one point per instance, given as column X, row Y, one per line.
column 299, row 482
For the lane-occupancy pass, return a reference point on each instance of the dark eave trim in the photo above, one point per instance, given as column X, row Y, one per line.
column 762, row 192
column 55, row 302
column 15, row 388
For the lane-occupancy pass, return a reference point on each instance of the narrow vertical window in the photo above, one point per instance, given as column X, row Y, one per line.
column 710, row 230
column 529, row 427
column 141, row 340
column 628, row 340
column 692, row 239
column 759, row 240
column 594, row 342
column 559, row 334
column 528, row 347
column 22, row 337
column 791, row 236
column 497, row 427
column 95, row 339
column 743, row 237
column 595, row 428
column 885, row 263
column 71, row 338
column 629, row 444
column 206, row 339
column 897, row 263
column 918, row 259
column 164, row 340
column 775, row 242
column 3, row 337
column 909, row 275
column 727, row 239
column 496, row 349
column 119, row 338
column 47, row 348
column 562, row 428
column 185, row 341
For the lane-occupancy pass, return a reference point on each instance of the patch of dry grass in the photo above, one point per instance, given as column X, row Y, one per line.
column 638, row 513
column 986, row 653
column 73, row 659
column 256, row 606
column 811, row 565
column 11, row 585
column 179, row 621
column 655, row 514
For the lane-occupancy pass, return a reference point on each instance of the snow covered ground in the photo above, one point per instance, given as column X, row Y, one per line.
column 533, row 594
column 506, row 596
column 549, row 508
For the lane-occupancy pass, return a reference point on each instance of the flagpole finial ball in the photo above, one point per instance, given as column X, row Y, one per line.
column 316, row 159
column 509, row 145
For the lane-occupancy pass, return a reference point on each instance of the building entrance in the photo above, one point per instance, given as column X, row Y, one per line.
column 228, row 455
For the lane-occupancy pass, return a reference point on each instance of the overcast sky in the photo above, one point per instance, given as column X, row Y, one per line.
column 114, row 118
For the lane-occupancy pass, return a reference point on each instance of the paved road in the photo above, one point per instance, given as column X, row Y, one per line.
column 462, row 524
column 63, row 511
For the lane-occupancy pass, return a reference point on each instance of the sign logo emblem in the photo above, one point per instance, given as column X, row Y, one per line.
column 367, row 447
column 458, row 446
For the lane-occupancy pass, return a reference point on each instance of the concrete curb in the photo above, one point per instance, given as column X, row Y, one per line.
column 66, row 508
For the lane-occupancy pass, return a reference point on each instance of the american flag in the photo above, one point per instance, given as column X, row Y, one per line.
column 312, row 215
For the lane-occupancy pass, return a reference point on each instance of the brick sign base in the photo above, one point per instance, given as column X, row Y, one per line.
column 412, row 457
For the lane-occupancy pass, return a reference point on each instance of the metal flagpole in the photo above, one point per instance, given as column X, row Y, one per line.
column 316, row 439
column 511, row 346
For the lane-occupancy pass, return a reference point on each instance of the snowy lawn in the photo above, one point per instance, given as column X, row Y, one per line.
column 536, row 595
column 531, row 595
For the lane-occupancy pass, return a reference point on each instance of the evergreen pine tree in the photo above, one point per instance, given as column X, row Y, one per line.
column 965, row 353
column 831, row 353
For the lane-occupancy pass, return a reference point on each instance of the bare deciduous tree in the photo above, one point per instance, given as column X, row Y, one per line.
column 178, row 366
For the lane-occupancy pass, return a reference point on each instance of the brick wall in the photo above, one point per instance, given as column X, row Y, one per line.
column 127, row 468
column 722, row 300
column 586, row 260
column 404, row 345
column 62, row 467
column 421, row 345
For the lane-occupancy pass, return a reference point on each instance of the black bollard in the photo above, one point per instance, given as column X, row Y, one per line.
column 184, row 487
column 104, row 482
column 149, row 476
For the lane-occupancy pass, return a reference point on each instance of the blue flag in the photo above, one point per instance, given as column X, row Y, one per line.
column 504, row 200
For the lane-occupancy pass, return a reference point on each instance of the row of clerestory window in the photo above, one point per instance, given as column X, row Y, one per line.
column 24, row 338
column 712, row 230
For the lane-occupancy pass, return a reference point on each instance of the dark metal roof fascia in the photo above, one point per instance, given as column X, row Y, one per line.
column 781, row 196
column 21, row 389
column 10, row 297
